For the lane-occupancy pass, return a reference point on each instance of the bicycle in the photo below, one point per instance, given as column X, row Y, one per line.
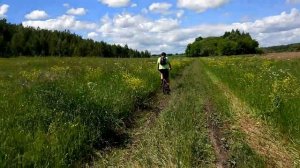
column 165, row 87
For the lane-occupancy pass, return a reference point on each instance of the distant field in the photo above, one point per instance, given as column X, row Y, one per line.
column 286, row 55
column 55, row 111
column 269, row 84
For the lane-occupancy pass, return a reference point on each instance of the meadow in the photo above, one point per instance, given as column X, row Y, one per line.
column 55, row 111
column 269, row 85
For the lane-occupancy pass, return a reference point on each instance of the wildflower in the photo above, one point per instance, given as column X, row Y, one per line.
column 91, row 85
column 93, row 73
column 133, row 81
column 31, row 75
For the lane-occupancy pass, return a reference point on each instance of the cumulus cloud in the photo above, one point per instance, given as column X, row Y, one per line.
column 76, row 11
column 66, row 5
column 164, row 25
column 279, row 38
column 200, row 5
column 3, row 10
column 115, row 3
column 293, row 1
column 92, row 35
column 180, row 13
column 283, row 22
column 137, row 31
column 144, row 11
column 272, row 30
column 61, row 23
column 166, row 34
column 133, row 5
column 36, row 14
column 160, row 7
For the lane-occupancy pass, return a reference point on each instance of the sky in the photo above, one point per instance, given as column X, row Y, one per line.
column 162, row 25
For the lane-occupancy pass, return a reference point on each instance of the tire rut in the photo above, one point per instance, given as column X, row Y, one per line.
column 215, row 136
column 143, row 118
column 260, row 137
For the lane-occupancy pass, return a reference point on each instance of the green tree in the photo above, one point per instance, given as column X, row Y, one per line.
column 231, row 43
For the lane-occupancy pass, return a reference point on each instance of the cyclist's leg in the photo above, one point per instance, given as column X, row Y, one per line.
column 167, row 76
column 163, row 74
column 167, row 79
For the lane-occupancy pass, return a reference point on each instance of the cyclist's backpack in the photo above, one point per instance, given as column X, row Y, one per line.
column 163, row 60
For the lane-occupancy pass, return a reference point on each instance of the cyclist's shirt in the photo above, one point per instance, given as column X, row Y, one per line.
column 166, row 66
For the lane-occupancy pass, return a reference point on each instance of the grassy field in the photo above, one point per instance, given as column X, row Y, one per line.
column 222, row 111
column 55, row 111
column 217, row 116
column 270, row 86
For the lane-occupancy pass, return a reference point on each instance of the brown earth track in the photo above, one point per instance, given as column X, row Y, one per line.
column 142, row 119
column 284, row 55
column 215, row 136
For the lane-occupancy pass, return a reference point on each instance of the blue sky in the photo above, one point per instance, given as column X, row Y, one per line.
column 163, row 25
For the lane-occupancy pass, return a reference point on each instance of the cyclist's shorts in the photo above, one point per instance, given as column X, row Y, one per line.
column 165, row 73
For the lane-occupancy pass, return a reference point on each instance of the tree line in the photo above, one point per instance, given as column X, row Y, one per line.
column 16, row 40
column 231, row 43
column 283, row 48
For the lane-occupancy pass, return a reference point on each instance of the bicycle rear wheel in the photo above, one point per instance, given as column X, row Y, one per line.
column 166, row 87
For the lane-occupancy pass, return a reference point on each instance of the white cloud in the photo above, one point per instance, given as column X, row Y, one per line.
column 160, row 7
column 61, row 23
column 92, row 35
column 115, row 3
column 3, row 10
column 279, row 38
column 180, row 13
column 66, row 5
column 133, row 5
column 282, row 22
column 200, row 5
column 36, row 14
column 167, row 35
column 76, row 11
column 272, row 30
column 164, row 25
column 137, row 31
column 293, row 1
column 144, row 11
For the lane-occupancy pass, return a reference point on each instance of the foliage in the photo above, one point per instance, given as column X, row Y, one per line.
column 231, row 43
column 55, row 111
column 16, row 40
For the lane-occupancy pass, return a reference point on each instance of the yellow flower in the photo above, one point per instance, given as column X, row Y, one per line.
column 250, row 76
column 93, row 73
column 31, row 75
column 59, row 70
column 132, row 81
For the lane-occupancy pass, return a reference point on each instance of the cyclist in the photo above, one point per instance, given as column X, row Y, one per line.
column 163, row 66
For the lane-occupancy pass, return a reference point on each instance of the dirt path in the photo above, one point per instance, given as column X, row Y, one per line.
column 215, row 136
column 259, row 136
column 142, row 120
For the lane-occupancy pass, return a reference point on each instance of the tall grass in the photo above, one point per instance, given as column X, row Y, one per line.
column 179, row 136
column 271, row 87
column 55, row 111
